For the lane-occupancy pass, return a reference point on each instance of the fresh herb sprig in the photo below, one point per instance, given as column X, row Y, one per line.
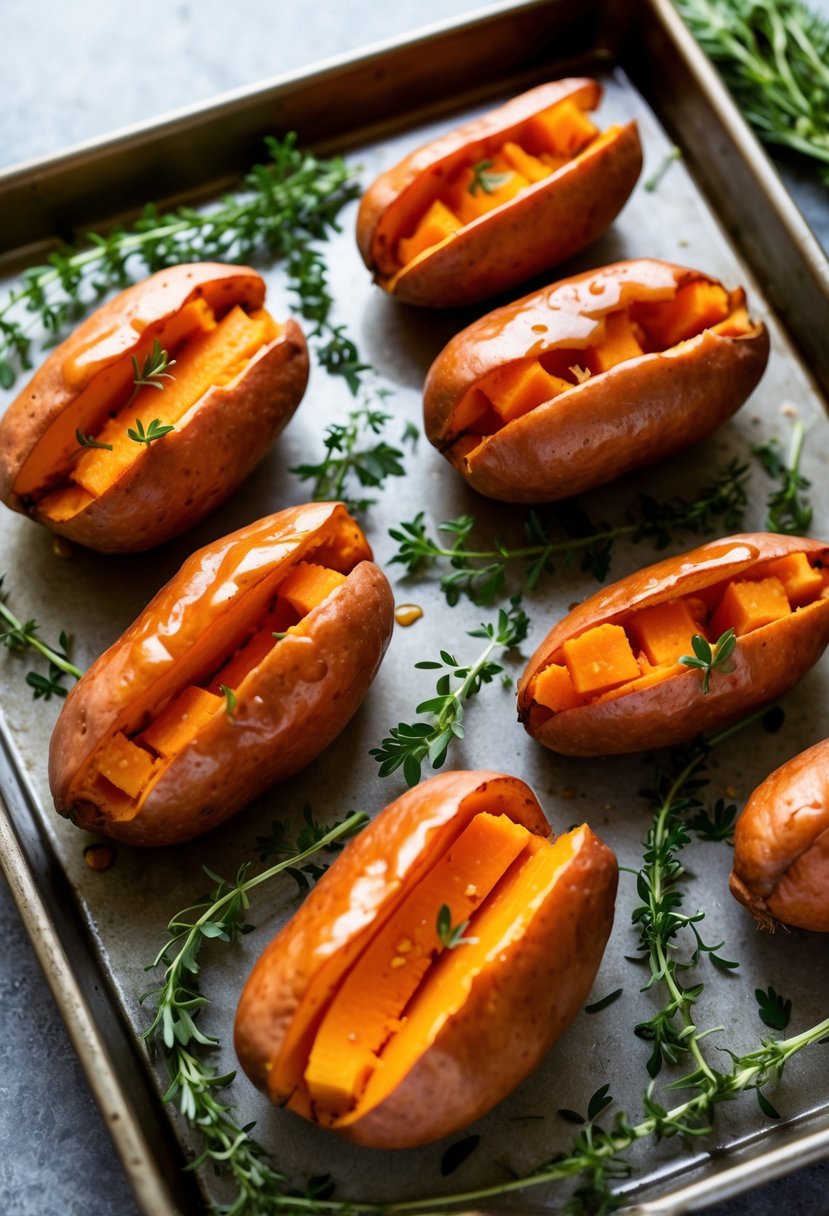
column 451, row 936
column 774, row 56
column 774, row 1009
column 658, row 917
column 481, row 573
column 708, row 659
column 349, row 465
column 154, row 372
column 788, row 511
column 156, row 430
column 484, row 179
column 671, row 156
column 410, row 744
column 174, row 1029
column 280, row 844
column 22, row 636
column 89, row 441
column 285, row 206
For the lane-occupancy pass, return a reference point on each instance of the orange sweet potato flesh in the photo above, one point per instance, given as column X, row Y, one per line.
column 781, row 845
column 289, row 707
column 656, row 711
column 641, row 409
column 215, row 445
column 373, row 996
column 551, row 219
column 539, row 945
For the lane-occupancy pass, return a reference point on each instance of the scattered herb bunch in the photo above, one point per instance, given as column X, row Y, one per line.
column 349, row 464
column 20, row 637
column 286, row 205
column 774, row 56
column 411, row 744
column 178, row 1001
column 564, row 534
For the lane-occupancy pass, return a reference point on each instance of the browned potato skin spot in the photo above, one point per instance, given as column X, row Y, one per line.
column 231, row 760
column 548, row 222
column 179, row 480
column 781, row 845
column 768, row 661
column 527, row 999
column 639, row 411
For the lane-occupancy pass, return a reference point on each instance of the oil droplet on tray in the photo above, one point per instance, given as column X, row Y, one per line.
column 99, row 856
column 407, row 614
column 61, row 547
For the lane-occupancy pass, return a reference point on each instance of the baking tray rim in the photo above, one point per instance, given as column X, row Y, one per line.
column 141, row 1169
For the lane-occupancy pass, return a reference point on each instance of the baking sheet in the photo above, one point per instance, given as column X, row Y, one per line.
column 126, row 908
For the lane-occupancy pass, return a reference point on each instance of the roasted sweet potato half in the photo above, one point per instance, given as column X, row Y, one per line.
column 240, row 671
column 608, row 678
column 365, row 1016
column 494, row 202
column 191, row 349
column 590, row 378
column 781, row 845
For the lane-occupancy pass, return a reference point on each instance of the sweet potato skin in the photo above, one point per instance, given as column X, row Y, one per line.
column 297, row 700
column 212, row 449
column 534, row 990
column 781, row 845
column 768, row 661
column 548, row 222
column 637, row 412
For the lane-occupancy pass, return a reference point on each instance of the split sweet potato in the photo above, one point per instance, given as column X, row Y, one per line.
column 498, row 200
column 67, row 457
column 781, row 845
column 607, row 678
column 239, row 672
column 591, row 377
column 360, row 1016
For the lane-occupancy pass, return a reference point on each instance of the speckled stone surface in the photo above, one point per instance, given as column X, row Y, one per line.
column 73, row 72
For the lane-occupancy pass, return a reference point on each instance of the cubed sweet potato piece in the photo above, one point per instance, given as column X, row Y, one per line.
column 599, row 659
column 664, row 632
column 521, row 386
column 437, row 224
column 554, row 688
column 750, row 605
column 308, row 585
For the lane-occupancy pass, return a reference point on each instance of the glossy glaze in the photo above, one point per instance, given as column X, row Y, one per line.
column 768, row 661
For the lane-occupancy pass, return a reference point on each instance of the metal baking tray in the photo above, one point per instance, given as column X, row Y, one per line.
column 722, row 209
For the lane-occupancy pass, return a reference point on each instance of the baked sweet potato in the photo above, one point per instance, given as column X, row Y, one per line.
column 502, row 198
column 781, row 845
column 590, row 378
column 239, row 672
column 230, row 379
column 607, row 678
column 360, row 1017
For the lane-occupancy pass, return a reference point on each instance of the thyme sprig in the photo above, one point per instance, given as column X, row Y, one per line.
column 156, row 430
column 22, row 636
column 349, row 465
column 280, row 844
column 154, row 372
column 485, row 180
column 449, row 935
column 787, row 510
column 177, row 1002
column 677, row 808
column 410, row 744
column 285, row 206
column 708, row 659
column 481, row 573
column 774, row 56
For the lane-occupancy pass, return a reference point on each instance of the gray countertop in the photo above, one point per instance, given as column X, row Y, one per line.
column 73, row 72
